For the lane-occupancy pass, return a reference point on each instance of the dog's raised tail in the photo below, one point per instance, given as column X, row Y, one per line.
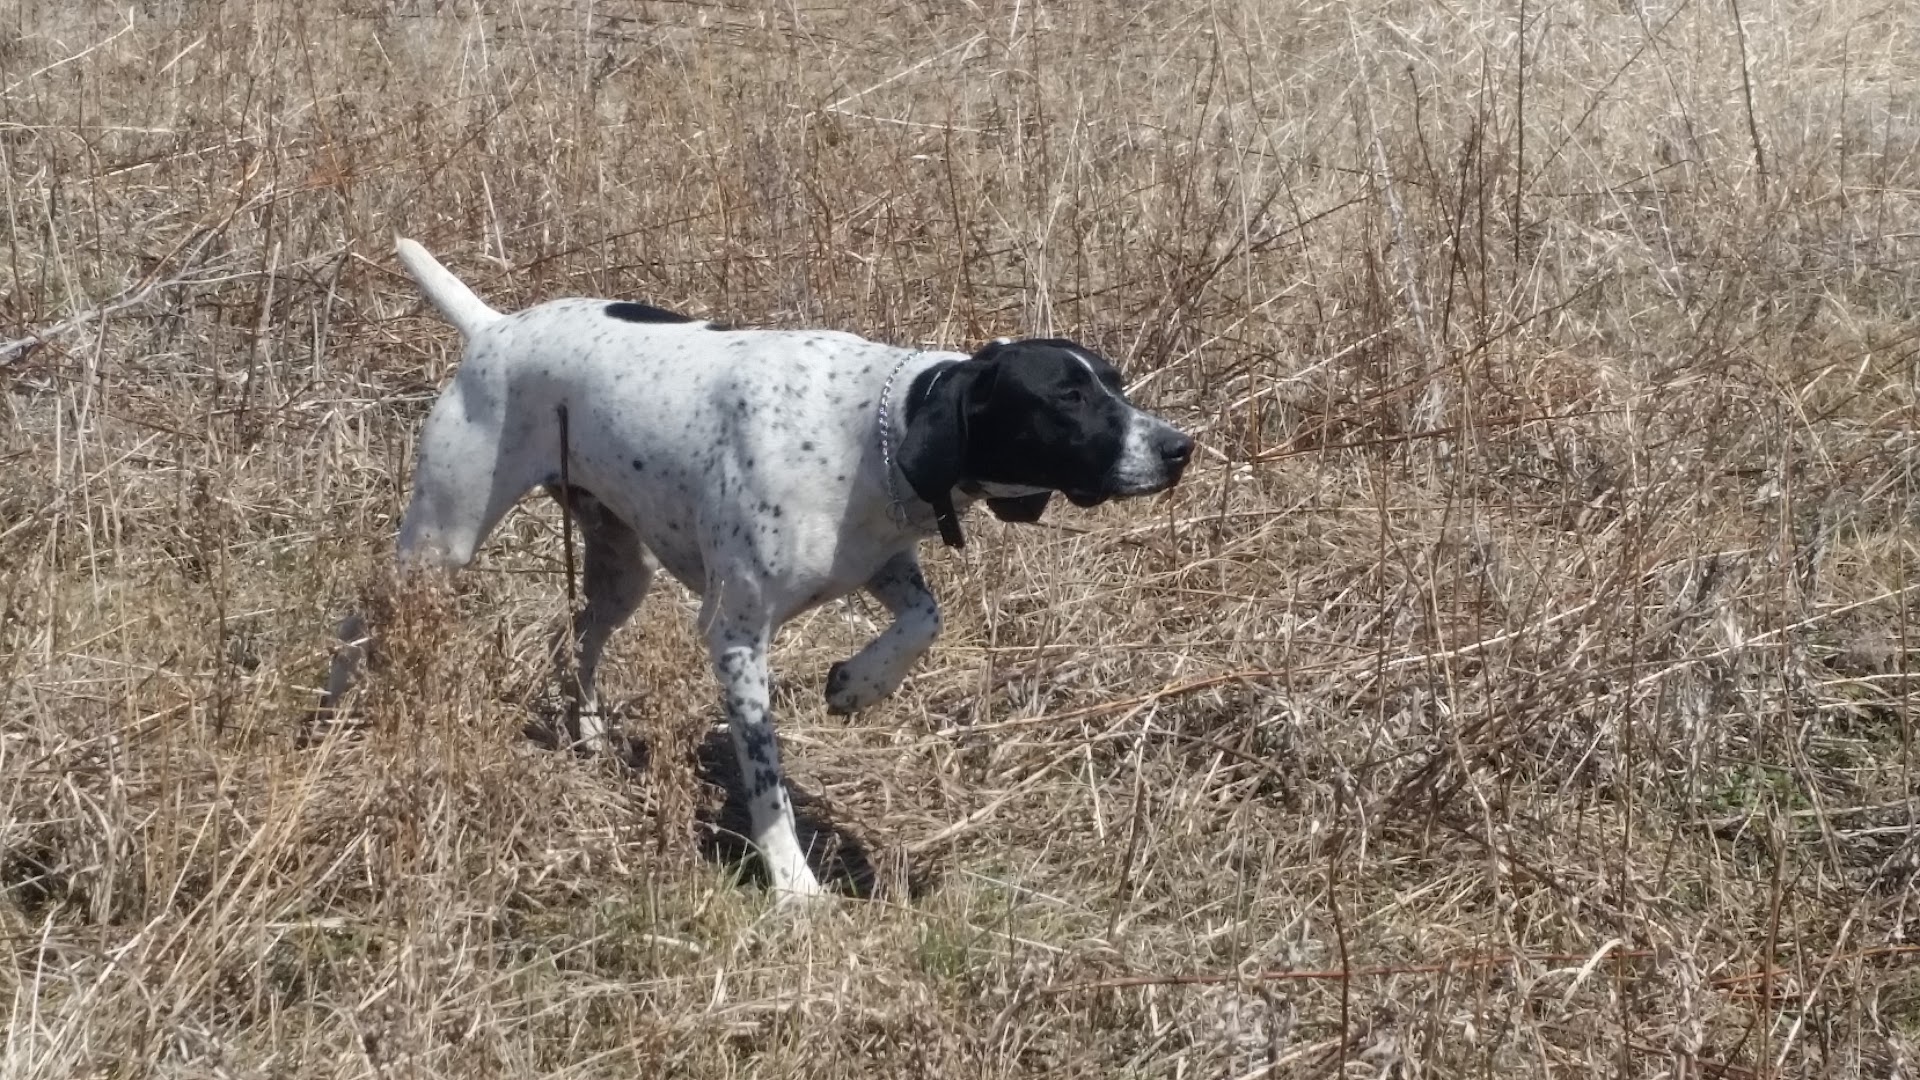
column 457, row 302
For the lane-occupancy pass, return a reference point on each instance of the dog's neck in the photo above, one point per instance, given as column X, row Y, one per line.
column 946, row 514
column 893, row 421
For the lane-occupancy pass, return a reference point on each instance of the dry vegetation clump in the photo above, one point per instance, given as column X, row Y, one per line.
column 1522, row 683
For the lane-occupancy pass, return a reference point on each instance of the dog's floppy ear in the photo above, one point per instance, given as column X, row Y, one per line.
column 1020, row 509
column 933, row 453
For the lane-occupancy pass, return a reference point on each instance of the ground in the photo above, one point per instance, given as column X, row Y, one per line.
column 1522, row 681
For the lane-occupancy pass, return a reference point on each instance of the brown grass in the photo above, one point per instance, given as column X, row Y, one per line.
column 1521, row 684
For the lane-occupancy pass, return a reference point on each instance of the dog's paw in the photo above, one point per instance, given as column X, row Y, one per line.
column 592, row 729
column 795, row 887
column 849, row 692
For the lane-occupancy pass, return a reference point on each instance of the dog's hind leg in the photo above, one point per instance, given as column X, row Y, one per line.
column 878, row 669
column 618, row 568
column 738, row 628
column 464, row 482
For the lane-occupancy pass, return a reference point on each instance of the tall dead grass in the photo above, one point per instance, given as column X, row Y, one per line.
column 1521, row 683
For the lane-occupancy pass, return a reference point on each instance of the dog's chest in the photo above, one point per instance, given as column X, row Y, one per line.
column 800, row 545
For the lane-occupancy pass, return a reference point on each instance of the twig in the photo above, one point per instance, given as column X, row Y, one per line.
column 20, row 348
column 1464, row 963
column 1166, row 691
column 197, row 239
column 963, row 49
column 1790, row 628
column 64, row 61
column 927, row 843
column 1519, row 134
column 1770, row 971
column 1746, row 92
column 1294, row 449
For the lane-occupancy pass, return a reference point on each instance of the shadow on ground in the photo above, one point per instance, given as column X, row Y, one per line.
column 844, row 859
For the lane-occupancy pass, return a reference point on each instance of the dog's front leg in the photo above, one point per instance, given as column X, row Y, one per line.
column 878, row 669
column 737, row 640
column 462, row 487
column 348, row 657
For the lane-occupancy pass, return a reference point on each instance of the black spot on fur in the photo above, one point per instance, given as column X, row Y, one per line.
column 644, row 313
column 757, row 739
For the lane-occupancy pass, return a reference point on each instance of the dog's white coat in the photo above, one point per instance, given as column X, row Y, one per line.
column 746, row 462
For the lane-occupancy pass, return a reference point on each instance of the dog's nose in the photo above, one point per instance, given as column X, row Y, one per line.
column 1175, row 450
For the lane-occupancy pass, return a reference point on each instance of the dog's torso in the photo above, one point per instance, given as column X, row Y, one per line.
column 764, row 444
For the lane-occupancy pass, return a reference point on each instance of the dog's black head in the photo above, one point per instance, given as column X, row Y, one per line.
column 1023, row 419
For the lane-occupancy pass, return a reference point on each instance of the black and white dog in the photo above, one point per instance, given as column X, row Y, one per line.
column 768, row 470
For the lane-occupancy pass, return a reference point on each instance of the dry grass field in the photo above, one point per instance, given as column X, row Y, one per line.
column 1522, row 682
